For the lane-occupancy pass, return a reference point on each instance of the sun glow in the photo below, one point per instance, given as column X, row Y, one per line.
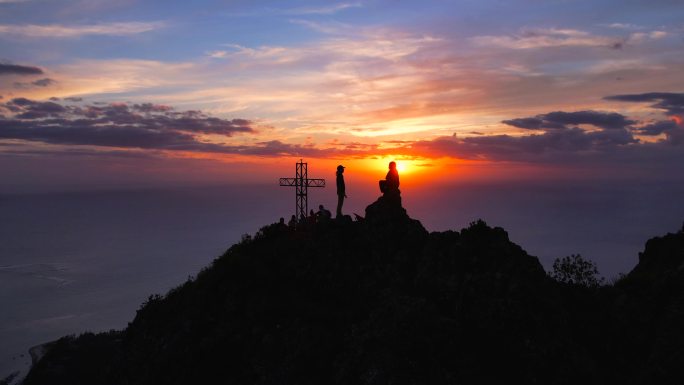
column 380, row 165
column 677, row 119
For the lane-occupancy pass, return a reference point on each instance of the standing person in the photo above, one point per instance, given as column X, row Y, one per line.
column 341, row 190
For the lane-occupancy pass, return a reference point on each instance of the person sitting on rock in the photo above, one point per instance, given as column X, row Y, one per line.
column 391, row 183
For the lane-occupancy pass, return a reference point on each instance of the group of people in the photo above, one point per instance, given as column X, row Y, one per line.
column 388, row 186
column 323, row 215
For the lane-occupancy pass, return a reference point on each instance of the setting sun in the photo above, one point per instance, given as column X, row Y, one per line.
column 403, row 165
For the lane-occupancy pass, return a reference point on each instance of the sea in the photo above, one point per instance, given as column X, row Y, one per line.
column 77, row 261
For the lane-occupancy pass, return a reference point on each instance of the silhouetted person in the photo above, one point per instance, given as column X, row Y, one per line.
column 293, row 222
column 324, row 214
column 391, row 183
column 312, row 217
column 341, row 190
column 280, row 226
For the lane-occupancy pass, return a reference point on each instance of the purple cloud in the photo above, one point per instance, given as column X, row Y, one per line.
column 147, row 126
column 564, row 120
column 657, row 128
column 672, row 103
column 563, row 138
column 16, row 69
column 535, row 147
column 43, row 82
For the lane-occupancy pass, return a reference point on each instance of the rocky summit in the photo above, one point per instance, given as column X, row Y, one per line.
column 381, row 300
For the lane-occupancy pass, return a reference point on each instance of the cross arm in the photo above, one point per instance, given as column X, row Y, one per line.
column 288, row 181
column 308, row 182
column 315, row 182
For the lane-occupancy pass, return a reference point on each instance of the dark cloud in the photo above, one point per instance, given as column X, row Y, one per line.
column 524, row 148
column 657, row 128
column 562, row 135
column 149, row 107
column 672, row 103
column 68, row 99
column 44, row 82
column 563, row 138
column 16, row 69
column 37, row 83
column 278, row 148
column 564, row 120
column 147, row 126
column 527, row 123
column 29, row 109
column 17, row 150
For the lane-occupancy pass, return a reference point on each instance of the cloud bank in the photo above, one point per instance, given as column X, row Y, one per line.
column 146, row 126
column 557, row 135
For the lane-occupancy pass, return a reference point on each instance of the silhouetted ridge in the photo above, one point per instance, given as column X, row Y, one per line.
column 383, row 301
column 663, row 258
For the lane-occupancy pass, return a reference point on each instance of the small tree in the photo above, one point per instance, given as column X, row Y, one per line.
column 576, row 270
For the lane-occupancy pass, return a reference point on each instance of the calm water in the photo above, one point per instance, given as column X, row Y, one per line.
column 85, row 261
column 73, row 262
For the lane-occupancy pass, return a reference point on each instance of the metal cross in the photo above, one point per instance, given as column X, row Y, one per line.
column 301, row 183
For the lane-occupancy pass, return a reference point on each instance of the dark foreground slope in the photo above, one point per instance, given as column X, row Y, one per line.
column 385, row 302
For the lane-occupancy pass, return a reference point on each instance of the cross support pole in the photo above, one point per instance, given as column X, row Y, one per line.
column 301, row 183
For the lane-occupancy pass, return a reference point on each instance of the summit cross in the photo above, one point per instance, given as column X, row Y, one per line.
column 301, row 183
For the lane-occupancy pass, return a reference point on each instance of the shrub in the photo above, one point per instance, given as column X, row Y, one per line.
column 575, row 270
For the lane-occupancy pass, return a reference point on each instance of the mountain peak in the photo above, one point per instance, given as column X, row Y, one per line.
column 375, row 301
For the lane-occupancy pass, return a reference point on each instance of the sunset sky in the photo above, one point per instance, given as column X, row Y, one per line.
column 141, row 138
column 107, row 92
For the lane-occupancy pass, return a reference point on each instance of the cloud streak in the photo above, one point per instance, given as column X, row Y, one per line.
column 324, row 10
column 74, row 31
column 16, row 69
column 546, row 38
column 45, row 82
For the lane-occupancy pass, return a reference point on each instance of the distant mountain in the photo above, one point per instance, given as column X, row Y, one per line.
column 382, row 301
